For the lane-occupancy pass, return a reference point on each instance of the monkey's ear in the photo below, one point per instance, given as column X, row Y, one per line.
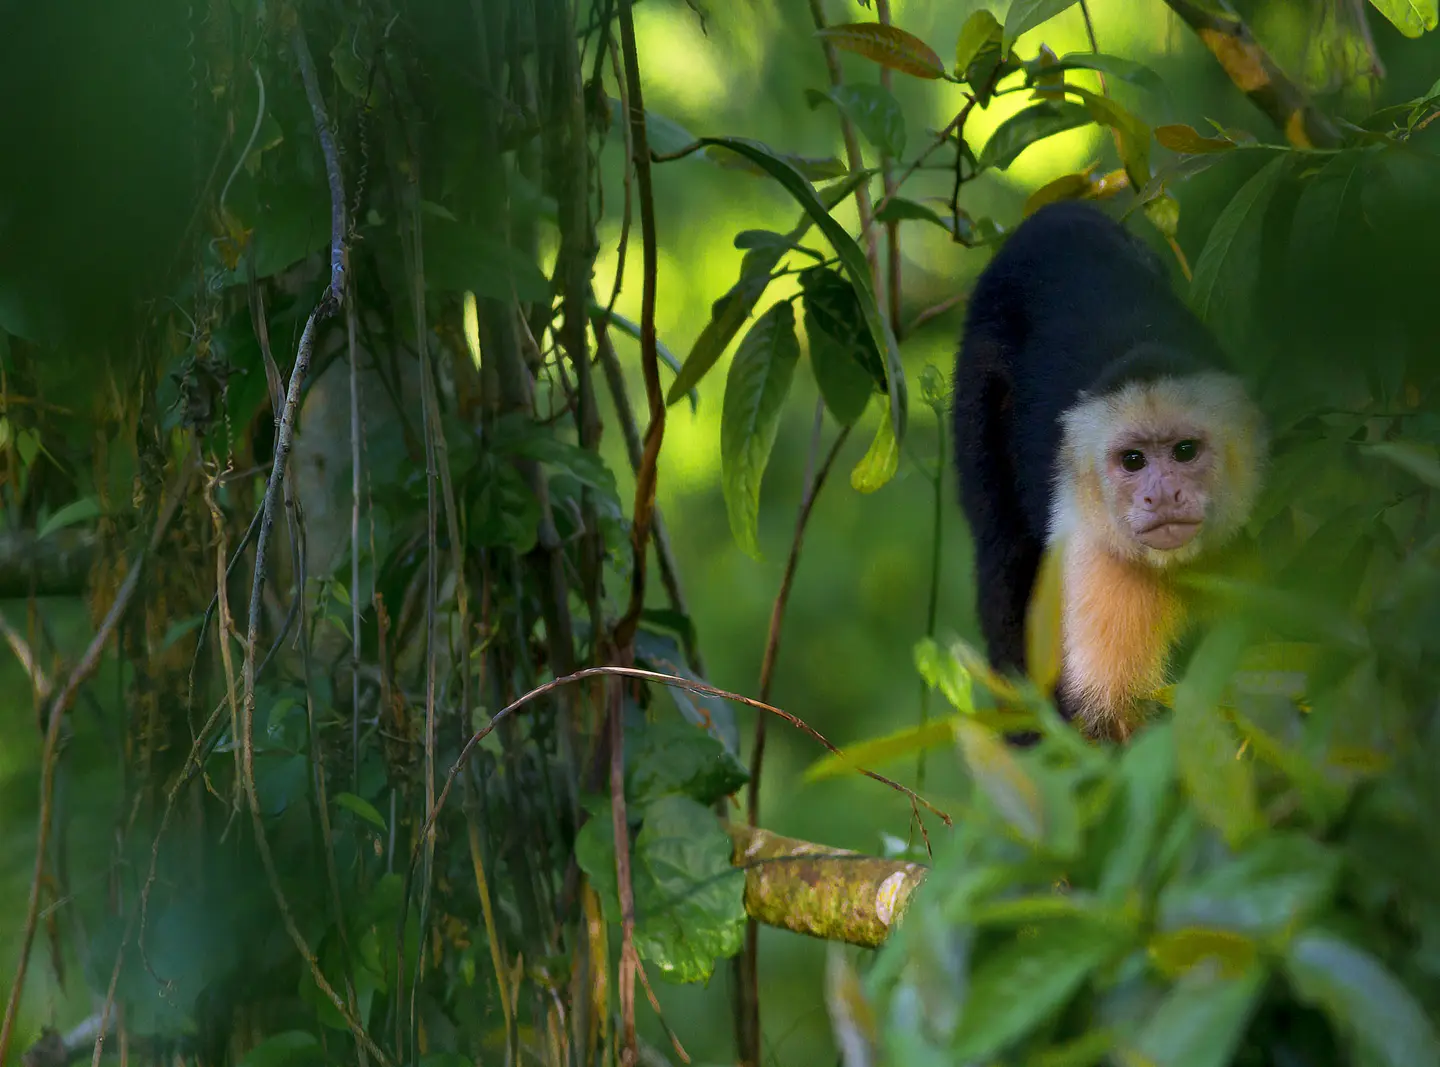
column 1043, row 618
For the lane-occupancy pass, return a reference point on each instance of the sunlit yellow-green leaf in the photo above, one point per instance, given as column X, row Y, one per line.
column 879, row 463
column 881, row 750
column 979, row 30
column 1025, row 15
column 1410, row 17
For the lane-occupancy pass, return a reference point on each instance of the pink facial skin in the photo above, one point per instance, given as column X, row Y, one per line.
column 1162, row 487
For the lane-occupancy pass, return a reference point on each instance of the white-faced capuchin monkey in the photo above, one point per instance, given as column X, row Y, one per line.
column 1092, row 409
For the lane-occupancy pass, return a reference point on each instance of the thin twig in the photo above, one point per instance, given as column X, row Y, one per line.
column 664, row 553
column 892, row 228
column 646, row 480
column 89, row 663
column 747, row 965
column 40, row 682
column 853, row 156
column 664, row 679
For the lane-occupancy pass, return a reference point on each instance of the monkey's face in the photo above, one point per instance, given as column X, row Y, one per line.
column 1160, row 486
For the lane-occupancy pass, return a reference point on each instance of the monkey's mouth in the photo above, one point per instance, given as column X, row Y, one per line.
column 1168, row 533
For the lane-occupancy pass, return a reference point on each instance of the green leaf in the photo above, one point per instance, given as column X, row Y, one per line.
column 519, row 435
column 1200, row 1022
column 879, row 463
column 1229, row 265
column 1024, row 128
column 289, row 1048
column 1410, row 17
column 75, row 511
column 664, row 136
column 361, row 807
column 748, row 239
column 689, row 898
column 732, row 309
column 27, row 444
column 727, row 316
column 1002, row 779
column 755, row 392
column 1026, row 982
column 881, row 750
column 842, row 355
column 672, row 757
column 890, row 46
column 851, row 258
column 461, row 257
column 505, row 513
column 1127, row 70
column 1181, row 138
column 1416, row 459
column 1363, row 999
column 1273, row 886
column 980, row 29
column 1147, row 776
column 899, row 208
column 660, row 653
column 944, row 672
column 627, row 326
column 1222, row 786
column 1025, row 15
column 874, row 111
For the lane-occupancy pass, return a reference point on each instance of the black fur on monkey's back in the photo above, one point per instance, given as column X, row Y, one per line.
column 1061, row 309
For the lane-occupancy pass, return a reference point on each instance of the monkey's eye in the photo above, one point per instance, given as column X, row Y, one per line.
column 1185, row 451
column 1132, row 460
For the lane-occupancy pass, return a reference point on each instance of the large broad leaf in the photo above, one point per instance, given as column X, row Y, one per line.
column 755, row 391
column 1028, row 981
column 1363, row 999
column 1024, row 128
column 1410, row 17
column 890, row 46
column 1200, row 1022
column 851, row 258
column 1025, row 15
column 1229, row 265
column 689, row 898
column 842, row 355
column 980, row 29
column 672, row 757
column 1222, row 787
column 874, row 111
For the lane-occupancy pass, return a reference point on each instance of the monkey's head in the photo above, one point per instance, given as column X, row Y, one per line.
column 1161, row 467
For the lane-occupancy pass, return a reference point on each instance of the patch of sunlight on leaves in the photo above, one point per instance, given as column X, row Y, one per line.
column 682, row 65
